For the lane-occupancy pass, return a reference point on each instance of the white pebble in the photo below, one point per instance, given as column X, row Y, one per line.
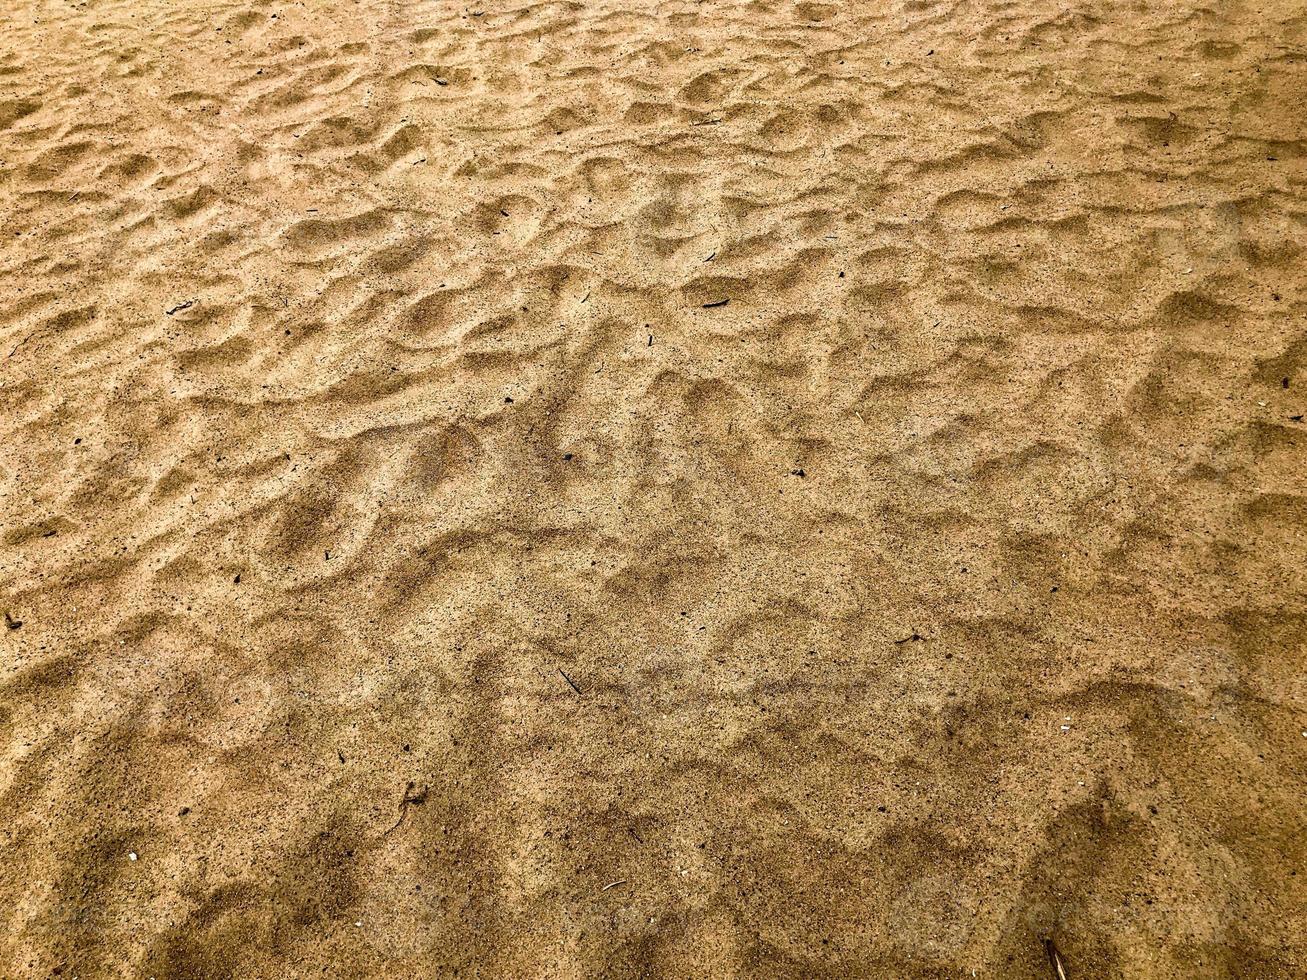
column 131, row 855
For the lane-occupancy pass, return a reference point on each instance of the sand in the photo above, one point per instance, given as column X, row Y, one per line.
column 653, row 490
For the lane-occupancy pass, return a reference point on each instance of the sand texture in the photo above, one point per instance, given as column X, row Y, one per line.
column 679, row 489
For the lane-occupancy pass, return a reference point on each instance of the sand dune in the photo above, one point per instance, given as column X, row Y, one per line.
column 681, row 489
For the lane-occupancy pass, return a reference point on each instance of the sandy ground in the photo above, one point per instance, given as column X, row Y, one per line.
column 653, row 489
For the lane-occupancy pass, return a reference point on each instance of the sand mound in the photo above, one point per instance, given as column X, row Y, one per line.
column 656, row 489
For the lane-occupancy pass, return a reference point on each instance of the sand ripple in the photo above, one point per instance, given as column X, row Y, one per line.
column 835, row 469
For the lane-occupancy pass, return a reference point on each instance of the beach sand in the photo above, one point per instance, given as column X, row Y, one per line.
column 653, row 490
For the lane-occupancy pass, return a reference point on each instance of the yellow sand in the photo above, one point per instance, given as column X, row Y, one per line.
column 424, row 570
